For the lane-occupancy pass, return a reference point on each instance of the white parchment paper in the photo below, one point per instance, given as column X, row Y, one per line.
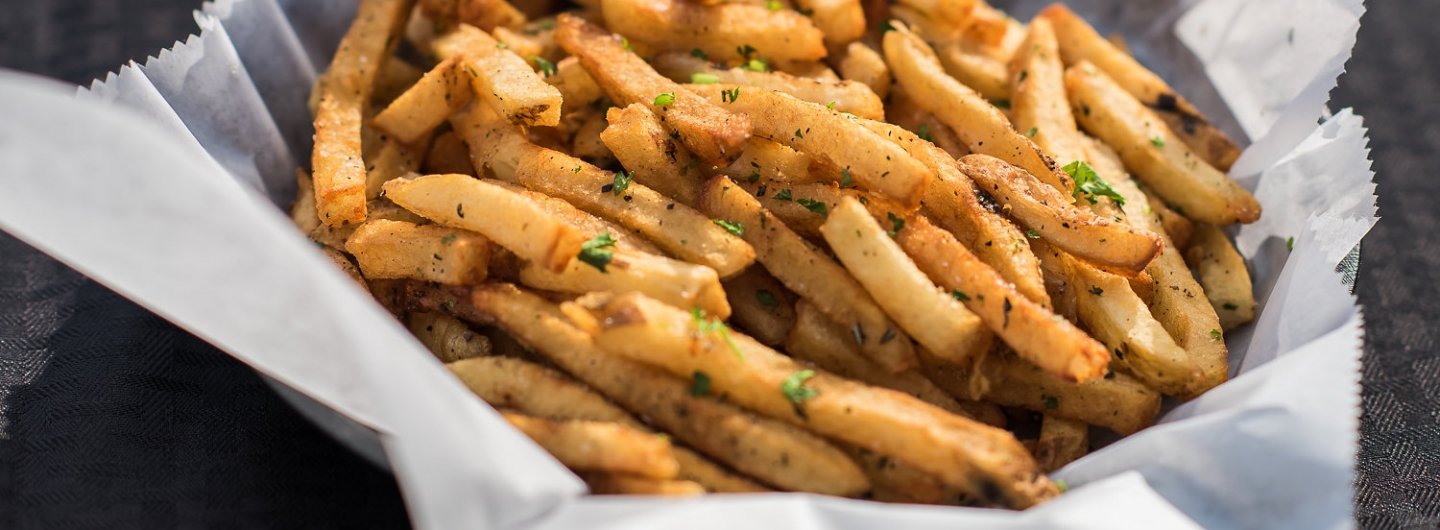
column 162, row 183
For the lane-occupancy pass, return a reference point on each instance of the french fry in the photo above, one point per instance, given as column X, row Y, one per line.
column 339, row 168
column 761, row 305
column 810, row 274
column 575, row 85
column 724, row 32
column 1061, row 442
column 586, row 143
column 618, row 484
column 844, row 96
column 302, row 211
column 906, row 114
column 935, row 319
column 1117, row 402
column 767, row 160
column 522, row 44
column 1035, row 333
column 1038, row 105
column 1178, row 227
column 950, row 12
column 799, row 205
column 844, row 146
column 419, row 110
column 675, row 282
column 514, row 384
column 335, row 236
column 983, row 128
column 775, row 452
column 984, row 74
column 840, row 21
column 715, row 479
column 710, row 132
column 600, row 446
column 984, row 461
column 490, row 14
column 863, row 64
column 448, row 154
column 817, row 339
column 1221, row 271
column 1178, row 302
column 677, row 228
column 392, row 160
column 501, row 79
column 508, row 219
column 588, row 224
column 1049, row 213
column 396, row 76
column 1153, row 153
column 447, row 337
column 653, row 158
column 1117, row 317
column 954, row 205
column 1081, row 43
column 396, row 249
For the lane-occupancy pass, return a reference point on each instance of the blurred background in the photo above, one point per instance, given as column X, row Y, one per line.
column 111, row 417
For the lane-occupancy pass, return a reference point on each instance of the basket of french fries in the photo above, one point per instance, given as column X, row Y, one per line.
column 889, row 254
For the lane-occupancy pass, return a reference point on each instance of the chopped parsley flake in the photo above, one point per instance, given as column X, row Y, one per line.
column 730, row 226
column 757, row 65
column 547, row 68
column 924, row 132
column 812, row 205
column 665, row 100
column 1051, row 402
column 730, row 96
column 960, row 296
column 1290, row 244
column 1002, row 104
column 622, row 182
column 1032, row 132
column 1158, row 142
column 1230, row 306
column 1032, row 234
column 774, row 5
column 699, row 384
column 1088, row 182
column 766, row 298
column 794, row 387
column 1215, row 335
column 783, row 195
column 708, row 325
column 1097, row 291
column 598, row 251
column 897, row 224
column 699, row 54
column 702, row 78
column 846, row 179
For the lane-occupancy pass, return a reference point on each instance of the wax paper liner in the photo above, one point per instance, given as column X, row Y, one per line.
column 162, row 182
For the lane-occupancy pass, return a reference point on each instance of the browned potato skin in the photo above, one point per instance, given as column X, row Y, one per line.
column 710, row 132
column 1221, row 271
column 1117, row 402
column 600, row 446
column 656, row 160
column 388, row 249
column 984, row 461
column 1044, row 209
column 1037, row 334
column 768, row 322
column 719, row 30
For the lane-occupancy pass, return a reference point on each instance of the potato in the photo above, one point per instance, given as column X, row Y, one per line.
column 575, row 85
column 501, row 79
column 419, row 110
column 766, row 160
column 395, row 249
column 713, row 134
column 810, row 274
column 762, row 306
column 514, row 384
column 1153, row 153
column 618, row 484
column 1061, row 441
column 447, row 337
column 724, row 32
column 510, row 220
column 650, row 155
column 840, row 21
column 600, row 446
column 392, row 160
column 448, row 154
column 1117, row 402
column 844, row 96
column 863, row 64
column 843, row 145
column 1221, row 271
column 962, row 453
column 1038, row 105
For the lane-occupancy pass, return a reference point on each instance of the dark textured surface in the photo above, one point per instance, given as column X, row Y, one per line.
column 135, row 424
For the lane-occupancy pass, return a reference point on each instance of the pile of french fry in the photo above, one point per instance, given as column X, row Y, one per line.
column 849, row 247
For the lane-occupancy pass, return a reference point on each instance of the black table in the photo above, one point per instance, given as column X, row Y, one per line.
column 133, row 423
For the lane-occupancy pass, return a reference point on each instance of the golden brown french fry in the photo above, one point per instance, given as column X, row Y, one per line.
column 618, row 484
column 396, row 76
column 1153, row 153
column 862, row 63
column 710, row 132
column 575, row 85
column 1037, row 335
column 302, row 211
column 447, row 337
column 935, row 319
column 904, row 112
column 501, row 79
column 841, row 144
column 775, row 452
column 1081, row 43
column 984, row 461
column 521, row 43
column 1117, row 402
column 1038, row 105
column 1222, row 273
column 677, row 228
column 767, row 160
column 587, row 145
column 762, row 306
column 950, row 12
column 600, row 446
column 588, row 224
column 1049, row 213
column 810, row 274
column 514, row 384
column 983, row 128
column 448, row 154
column 335, row 236
column 816, row 70
column 489, row 14
column 725, row 32
column 984, row 74
column 1178, row 302
column 653, row 158
column 894, row 481
column 1117, row 317
column 1061, row 442
column 419, row 110
column 1178, row 227
column 396, row 249
column 953, row 203
column 844, row 96
column 510, row 220
column 392, row 160
column 711, row 476
column 841, row 21
column 339, row 167
column 800, row 206
column 678, row 283
column 817, row 339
